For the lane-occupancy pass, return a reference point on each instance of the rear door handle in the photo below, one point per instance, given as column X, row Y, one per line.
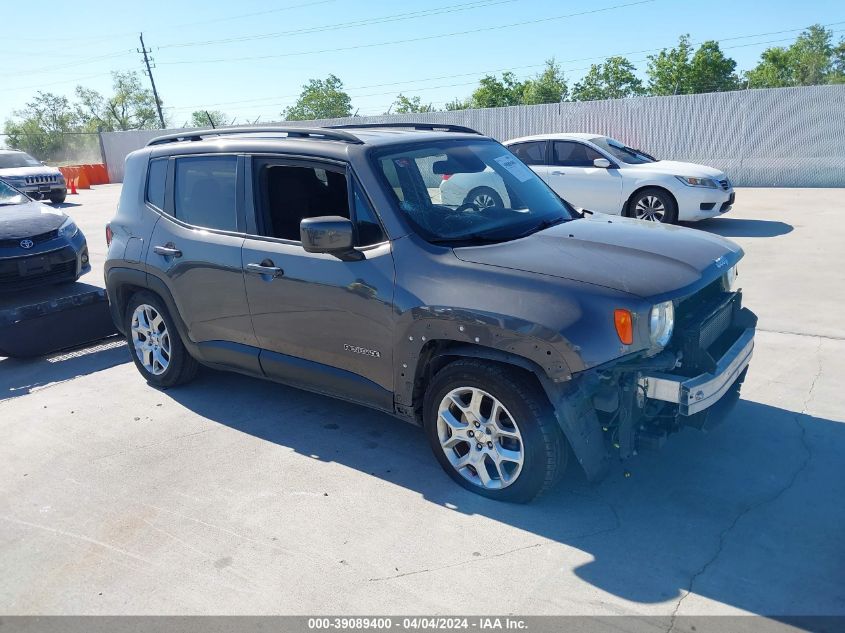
column 558, row 173
column 265, row 268
column 167, row 251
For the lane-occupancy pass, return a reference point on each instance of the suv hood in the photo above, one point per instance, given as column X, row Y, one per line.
column 677, row 168
column 641, row 258
column 18, row 221
column 22, row 172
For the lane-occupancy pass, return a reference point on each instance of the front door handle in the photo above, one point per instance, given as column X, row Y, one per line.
column 265, row 268
column 558, row 173
column 168, row 250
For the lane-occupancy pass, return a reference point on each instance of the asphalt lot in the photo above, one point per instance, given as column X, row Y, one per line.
column 237, row 496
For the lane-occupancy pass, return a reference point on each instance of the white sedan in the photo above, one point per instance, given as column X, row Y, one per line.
column 602, row 174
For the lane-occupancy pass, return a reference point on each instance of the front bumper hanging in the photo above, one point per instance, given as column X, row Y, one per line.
column 695, row 394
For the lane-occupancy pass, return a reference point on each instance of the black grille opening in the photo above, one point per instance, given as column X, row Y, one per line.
column 36, row 239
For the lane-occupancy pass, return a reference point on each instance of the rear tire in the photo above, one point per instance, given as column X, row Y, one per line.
column 653, row 204
column 155, row 344
column 494, row 431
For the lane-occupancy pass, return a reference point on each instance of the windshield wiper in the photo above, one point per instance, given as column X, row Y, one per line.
column 541, row 226
column 473, row 238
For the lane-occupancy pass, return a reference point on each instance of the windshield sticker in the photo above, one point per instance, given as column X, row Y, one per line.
column 514, row 166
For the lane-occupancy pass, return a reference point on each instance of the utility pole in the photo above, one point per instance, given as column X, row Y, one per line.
column 145, row 51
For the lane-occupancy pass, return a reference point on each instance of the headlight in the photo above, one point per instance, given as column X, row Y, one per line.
column 730, row 277
column 709, row 183
column 661, row 322
column 68, row 229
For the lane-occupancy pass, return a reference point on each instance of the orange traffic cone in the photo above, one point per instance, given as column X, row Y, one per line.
column 72, row 182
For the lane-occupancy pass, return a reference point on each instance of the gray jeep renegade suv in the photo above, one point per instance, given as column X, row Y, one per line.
column 518, row 335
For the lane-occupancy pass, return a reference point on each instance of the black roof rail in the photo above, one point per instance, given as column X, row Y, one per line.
column 292, row 132
column 433, row 127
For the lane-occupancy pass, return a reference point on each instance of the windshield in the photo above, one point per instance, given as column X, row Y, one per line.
column 469, row 191
column 10, row 195
column 622, row 152
column 17, row 159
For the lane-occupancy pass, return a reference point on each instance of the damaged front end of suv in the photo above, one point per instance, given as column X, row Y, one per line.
column 700, row 348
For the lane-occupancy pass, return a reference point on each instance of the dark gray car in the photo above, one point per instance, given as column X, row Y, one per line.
column 517, row 336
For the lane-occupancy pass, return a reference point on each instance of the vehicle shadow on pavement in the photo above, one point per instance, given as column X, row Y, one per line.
column 738, row 227
column 19, row 377
column 65, row 205
column 745, row 515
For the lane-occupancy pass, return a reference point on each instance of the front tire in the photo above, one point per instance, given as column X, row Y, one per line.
column 484, row 198
column 155, row 344
column 58, row 198
column 653, row 204
column 493, row 431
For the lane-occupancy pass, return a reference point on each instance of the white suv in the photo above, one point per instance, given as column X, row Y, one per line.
column 601, row 174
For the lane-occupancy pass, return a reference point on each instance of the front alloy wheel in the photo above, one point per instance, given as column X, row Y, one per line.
column 650, row 208
column 480, row 438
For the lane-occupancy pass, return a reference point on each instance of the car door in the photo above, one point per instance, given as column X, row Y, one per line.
column 575, row 178
column 195, row 249
column 322, row 323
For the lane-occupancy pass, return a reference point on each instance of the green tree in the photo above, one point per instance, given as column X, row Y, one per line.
column 615, row 79
column 773, row 71
column 669, row 70
column 458, row 104
column 130, row 107
column 405, row 105
column 810, row 60
column 496, row 93
column 679, row 70
column 711, row 71
column 42, row 127
column 199, row 118
column 320, row 99
column 547, row 87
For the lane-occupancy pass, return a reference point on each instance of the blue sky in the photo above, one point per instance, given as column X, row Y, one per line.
column 275, row 47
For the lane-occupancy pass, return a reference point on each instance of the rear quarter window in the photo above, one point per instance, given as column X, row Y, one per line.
column 156, row 178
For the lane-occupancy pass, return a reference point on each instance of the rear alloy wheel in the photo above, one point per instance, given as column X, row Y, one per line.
column 154, row 342
column 484, row 198
column 653, row 205
column 493, row 430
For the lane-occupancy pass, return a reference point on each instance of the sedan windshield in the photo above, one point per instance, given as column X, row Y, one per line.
column 10, row 195
column 469, row 191
column 622, row 152
column 17, row 159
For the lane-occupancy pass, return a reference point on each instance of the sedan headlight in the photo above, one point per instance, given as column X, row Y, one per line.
column 730, row 278
column 68, row 229
column 708, row 183
column 661, row 322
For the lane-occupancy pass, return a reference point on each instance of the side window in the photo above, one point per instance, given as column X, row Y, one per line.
column 532, row 153
column 366, row 222
column 572, row 154
column 156, row 177
column 286, row 194
column 205, row 191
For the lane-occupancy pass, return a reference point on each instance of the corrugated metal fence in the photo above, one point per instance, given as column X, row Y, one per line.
column 782, row 137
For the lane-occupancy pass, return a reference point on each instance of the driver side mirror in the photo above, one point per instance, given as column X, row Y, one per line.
column 601, row 163
column 329, row 234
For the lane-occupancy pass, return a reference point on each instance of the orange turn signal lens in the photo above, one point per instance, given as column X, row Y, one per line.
column 624, row 326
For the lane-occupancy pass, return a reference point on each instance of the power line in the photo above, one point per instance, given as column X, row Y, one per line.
column 143, row 50
column 414, row 39
column 423, row 13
